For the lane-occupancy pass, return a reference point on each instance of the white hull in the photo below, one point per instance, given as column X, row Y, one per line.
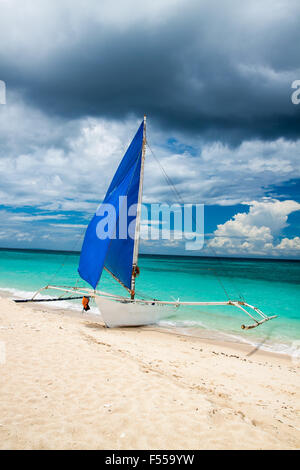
column 125, row 313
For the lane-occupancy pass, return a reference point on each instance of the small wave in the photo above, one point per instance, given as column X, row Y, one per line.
column 272, row 346
column 190, row 327
column 182, row 323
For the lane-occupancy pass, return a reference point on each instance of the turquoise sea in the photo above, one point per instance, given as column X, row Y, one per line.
column 271, row 285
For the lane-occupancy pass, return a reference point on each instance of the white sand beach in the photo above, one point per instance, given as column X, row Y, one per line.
column 69, row 383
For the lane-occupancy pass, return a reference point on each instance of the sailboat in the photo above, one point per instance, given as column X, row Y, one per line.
column 119, row 255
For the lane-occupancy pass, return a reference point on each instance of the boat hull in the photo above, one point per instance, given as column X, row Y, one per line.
column 125, row 313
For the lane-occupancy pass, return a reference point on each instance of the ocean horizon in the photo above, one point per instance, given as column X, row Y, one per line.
column 161, row 255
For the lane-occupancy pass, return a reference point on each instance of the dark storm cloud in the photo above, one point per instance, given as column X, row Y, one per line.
column 220, row 70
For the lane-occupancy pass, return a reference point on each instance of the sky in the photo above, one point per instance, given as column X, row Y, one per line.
column 215, row 80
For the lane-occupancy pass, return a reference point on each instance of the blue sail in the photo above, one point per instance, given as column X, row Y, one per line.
column 113, row 250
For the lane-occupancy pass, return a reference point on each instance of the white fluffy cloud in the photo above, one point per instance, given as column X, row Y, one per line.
column 257, row 232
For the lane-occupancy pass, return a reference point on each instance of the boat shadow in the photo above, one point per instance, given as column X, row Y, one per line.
column 94, row 325
column 262, row 342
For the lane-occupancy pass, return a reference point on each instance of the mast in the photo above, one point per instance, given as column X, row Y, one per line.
column 138, row 215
